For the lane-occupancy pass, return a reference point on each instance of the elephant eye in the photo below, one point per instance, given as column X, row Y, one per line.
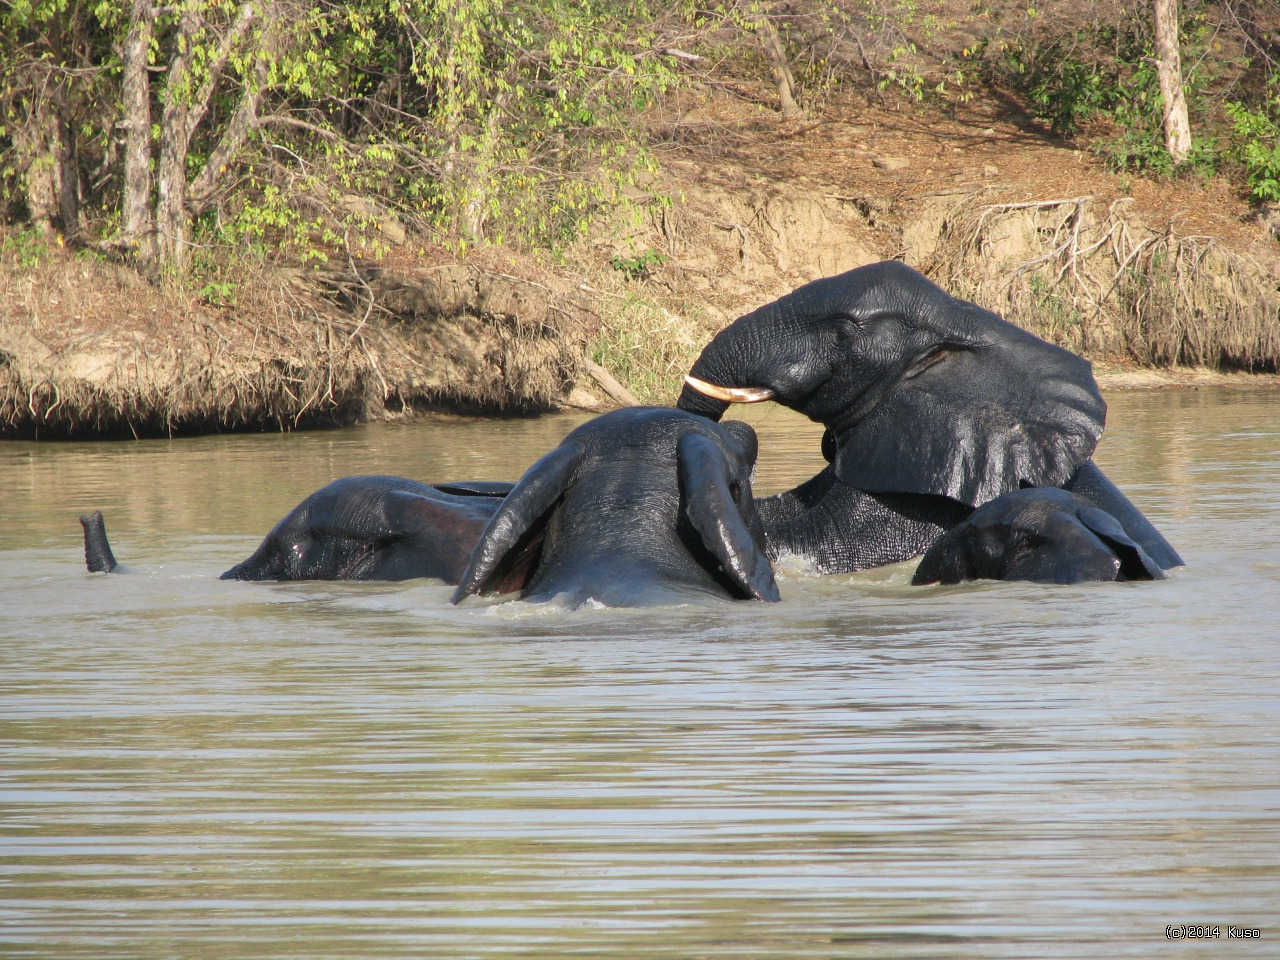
column 1029, row 541
column 847, row 327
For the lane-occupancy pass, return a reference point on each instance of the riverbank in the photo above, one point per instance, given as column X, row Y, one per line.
column 88, row 349
column 1114, row 377
column 1159, row 283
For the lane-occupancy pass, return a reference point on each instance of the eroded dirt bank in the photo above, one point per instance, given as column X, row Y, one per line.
column 1138, row 276
column 88, row 349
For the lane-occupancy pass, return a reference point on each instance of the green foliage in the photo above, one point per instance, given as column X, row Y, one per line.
column 641, row 266
column 1071, row 78
column 474, row 119
column 903, row 73
column 518, row 121
column 1061, row 89
column 905, row 26
column 1138, row 117
column 27, row 247
column 526, row 108
column 51, row 54
column 1257, row 143
column 218, row 294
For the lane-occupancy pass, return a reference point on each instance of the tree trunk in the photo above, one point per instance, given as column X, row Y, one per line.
column 173, row 245
column 185, row 108
column 245, row 116
column 172, row 242
column 136, row 94
column 210, row 178
column 63, row 148
column 1177, row 130
column 778, row 66
column 34, row 141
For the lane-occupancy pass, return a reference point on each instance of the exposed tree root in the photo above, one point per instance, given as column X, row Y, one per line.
column 1103, row 283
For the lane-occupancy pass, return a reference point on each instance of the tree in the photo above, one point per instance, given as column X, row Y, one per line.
column 776, row 54
column 1177, row 130
column 50, row 68
column 135, row 205
column 198, row 40
column 290, row 123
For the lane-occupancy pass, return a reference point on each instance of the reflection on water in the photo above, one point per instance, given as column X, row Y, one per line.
column 204, row 769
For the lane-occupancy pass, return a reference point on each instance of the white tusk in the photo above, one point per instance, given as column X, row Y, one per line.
column 730, row 394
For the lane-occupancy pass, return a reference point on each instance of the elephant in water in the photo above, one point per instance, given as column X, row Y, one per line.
column 933, row 406
column 636, row 507
column 357, row 528
column 376, row 528
column 1044, row 534
column 641, row 506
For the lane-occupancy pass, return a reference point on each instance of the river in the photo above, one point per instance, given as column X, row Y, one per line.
column 199, row 769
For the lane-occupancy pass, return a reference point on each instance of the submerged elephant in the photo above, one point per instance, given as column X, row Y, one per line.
column 933, row 406
column 376, row 528
column 641, row 506
column 357, row 528
column 1042, row 534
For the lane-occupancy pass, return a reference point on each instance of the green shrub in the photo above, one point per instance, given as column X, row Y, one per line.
column 1257, row 143
column 1061, row 89
column 26, row 246
column 1069, row 78
column 641, row 266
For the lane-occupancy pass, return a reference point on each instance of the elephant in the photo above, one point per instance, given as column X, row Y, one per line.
column 357, row 528
column 932, row 405
column 376, row 528
column 637, row 507
column 1042, row 534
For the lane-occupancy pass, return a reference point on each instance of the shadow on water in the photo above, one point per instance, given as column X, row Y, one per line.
column 205, row 769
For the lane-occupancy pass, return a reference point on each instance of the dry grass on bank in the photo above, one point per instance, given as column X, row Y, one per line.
column 90, row 349
column 463, row 335
column 1105, row 285
column 646, row 344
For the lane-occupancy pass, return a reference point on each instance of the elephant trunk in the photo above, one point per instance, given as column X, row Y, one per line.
column 97, row 551
column 721, row 365
column 695, row 401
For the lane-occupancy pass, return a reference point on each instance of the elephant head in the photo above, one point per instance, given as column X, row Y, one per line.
column 921, row 393
column 1045, row 535
column 636, row 507
column 375, row 528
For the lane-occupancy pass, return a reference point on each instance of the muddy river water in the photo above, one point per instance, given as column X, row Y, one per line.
column 192, row 768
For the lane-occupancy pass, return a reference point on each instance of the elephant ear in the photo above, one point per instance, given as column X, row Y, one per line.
column 1135, row 564
column 504, row 557
column 972, row 420
column 711, row 509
